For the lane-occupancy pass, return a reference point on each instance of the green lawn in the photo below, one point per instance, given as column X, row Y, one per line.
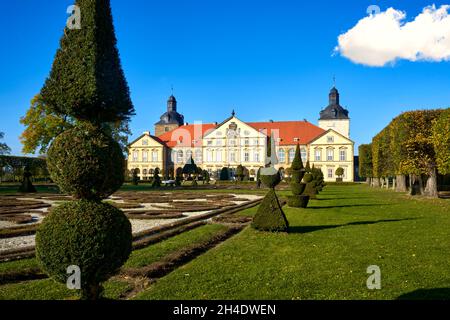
column 325, row 255
column 327, row 252
column 49, row 290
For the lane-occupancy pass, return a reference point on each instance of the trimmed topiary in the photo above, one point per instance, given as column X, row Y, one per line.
column 87, row 81
column 308, row 178
column 86, row 163
column 271, row 181
column 270, row 215
column 156, row 179
column 298, row 201
column 27, row 185
column 298, row 198
column 94, row 236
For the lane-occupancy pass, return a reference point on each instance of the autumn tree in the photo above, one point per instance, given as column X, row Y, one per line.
column 43, row 125
column 441, row 141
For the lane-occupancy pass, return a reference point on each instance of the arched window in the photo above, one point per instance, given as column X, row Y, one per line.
column 291, row 155
column 144, row 156
column 304, row 155
column 144, row 172
column 281, row 155
column 330, row 154
column 180, row 155
column 135, row 156
column 318, row 155
column 188, row 155
column 198, row 156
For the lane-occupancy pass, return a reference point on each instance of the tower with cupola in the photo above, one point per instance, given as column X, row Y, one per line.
column 334, row 116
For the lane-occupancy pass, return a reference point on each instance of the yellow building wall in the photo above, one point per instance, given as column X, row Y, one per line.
column 140, row 156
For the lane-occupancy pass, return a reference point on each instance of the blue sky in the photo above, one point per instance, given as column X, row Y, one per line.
column 265, row 59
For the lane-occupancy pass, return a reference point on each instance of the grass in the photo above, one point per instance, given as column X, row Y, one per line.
column 18, row 266
column 154, row 253
column 327, row 253
column 47, row 289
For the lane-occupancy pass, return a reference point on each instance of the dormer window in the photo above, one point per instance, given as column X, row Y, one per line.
column 296, row 139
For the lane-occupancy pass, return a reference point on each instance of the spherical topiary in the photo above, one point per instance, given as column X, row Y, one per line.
column 308, row 178
column 86, row 163
column 94, row 236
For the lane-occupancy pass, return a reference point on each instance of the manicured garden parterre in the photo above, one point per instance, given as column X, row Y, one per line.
column 324, row 256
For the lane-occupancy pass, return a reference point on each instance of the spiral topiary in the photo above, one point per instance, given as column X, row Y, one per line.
column 86, row 163
column 298, row 198
column 92, row 235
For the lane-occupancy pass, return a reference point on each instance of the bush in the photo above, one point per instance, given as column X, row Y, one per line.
column 298, row 201
column 27, row 185
column 225, row 174
column 297, row 188
column 271, row 181
column 94, row 236
column 270, row 215
column 156, row 183
column 86, row 163
column 308, row 178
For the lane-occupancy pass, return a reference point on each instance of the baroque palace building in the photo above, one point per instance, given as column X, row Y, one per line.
column 234, row 142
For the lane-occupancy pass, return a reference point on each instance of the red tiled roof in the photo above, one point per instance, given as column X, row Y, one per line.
column 187, row 134
column 288, row 131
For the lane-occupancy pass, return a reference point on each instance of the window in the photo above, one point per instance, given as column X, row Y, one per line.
column 188, row 155
column 343, row 155
column 198, row 156
column 255, row 142
column 318, row 155
column 330, row 139
column 219, row 142
column 155, row 156
column 330, row 173
column 232, row 157
column 330, row 154
column 180, row 155
column 303, row 154
column 166, row 129
column 246, row 156
column 281, row 155
column 145, row 142
column 135, row 156
column 144, row 172
column 247, row 142
column 145, row 156
column 291, row 155
column 232, row 142
column 256, row 156
column 219, row 156
column 209, row 156
column 210, row 143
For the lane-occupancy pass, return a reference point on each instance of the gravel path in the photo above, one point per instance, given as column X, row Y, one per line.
column 137, row 225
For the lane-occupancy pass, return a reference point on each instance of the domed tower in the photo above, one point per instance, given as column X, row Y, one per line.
column 335, row 116
column 169, row 120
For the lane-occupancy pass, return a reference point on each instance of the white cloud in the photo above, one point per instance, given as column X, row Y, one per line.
column 383, row 38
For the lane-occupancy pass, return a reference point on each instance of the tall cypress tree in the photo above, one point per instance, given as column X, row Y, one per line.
column 87, row 81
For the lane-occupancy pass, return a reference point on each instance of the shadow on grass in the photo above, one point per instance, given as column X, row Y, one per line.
column 427, row 294
column 350, row 206
column 308, row 229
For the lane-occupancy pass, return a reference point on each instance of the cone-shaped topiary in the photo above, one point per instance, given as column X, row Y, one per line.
column 87, row 81
column 156, row 179
column 86, row 163
column 27, row 185
column 88, row 84
column 270, row 215
column 298, row 199
column 92, row 235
